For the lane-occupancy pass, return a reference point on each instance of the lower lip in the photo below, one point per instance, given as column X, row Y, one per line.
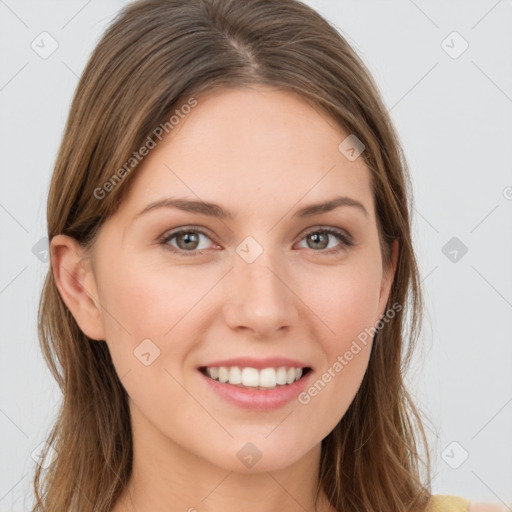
column 258, row 399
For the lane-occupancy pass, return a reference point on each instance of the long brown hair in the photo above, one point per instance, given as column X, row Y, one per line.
column 156, row 55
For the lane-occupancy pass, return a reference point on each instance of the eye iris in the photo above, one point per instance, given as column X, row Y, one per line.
column 188, row 237
column 316, row 237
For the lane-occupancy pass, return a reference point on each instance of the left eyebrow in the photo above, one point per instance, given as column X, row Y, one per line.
column 318, row 208
column 217, row 211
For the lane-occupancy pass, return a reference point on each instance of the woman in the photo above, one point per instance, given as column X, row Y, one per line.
column 210, row 355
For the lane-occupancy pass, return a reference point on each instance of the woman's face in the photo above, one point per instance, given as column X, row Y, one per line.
column 265, row 284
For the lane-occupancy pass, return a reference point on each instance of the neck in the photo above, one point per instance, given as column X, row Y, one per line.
column 167, row 478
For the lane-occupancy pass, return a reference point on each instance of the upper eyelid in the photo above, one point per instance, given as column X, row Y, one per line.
column 174, row 232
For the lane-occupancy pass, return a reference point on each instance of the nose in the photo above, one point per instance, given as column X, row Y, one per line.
column 260, row 298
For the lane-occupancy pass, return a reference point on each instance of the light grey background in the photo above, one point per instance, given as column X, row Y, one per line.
column 454, row 119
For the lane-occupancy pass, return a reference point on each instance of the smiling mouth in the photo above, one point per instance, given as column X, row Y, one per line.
column 252, row 378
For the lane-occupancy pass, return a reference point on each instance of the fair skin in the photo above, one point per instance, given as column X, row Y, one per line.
column 263, row 155
column 487, row 507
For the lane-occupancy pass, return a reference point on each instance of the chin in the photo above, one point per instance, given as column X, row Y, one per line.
column 260, row 455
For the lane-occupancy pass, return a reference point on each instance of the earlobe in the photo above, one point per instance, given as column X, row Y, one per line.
column 76, row 284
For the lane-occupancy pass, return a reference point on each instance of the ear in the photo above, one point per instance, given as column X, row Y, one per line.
column 387, row 278
column 76, row 283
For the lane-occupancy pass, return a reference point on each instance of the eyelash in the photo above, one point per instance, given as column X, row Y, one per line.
column 342, row 236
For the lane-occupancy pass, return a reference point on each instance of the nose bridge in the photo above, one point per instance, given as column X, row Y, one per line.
column 260, row 299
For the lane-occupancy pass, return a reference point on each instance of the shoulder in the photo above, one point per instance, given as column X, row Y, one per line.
column 487, row 507
column 449, row 503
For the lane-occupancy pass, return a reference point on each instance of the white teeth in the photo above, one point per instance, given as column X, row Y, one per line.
column 281, row 375
column 223, row 374
column 213, row 372
column 235, row 375
column 250, row 377
column 267, row 378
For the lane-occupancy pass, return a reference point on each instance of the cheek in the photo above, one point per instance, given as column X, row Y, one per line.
column 148, row 300
column 349, row 312
column 346, row 300
column 147, row 312
column 156, row 303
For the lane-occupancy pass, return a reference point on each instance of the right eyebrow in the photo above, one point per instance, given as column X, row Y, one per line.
column 189, row 205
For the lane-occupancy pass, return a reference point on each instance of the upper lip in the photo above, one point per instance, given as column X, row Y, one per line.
column 268, row 362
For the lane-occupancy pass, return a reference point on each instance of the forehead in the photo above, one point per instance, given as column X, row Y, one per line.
column 249, row 147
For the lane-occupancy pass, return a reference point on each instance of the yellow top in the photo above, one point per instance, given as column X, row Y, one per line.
column 448, row 503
